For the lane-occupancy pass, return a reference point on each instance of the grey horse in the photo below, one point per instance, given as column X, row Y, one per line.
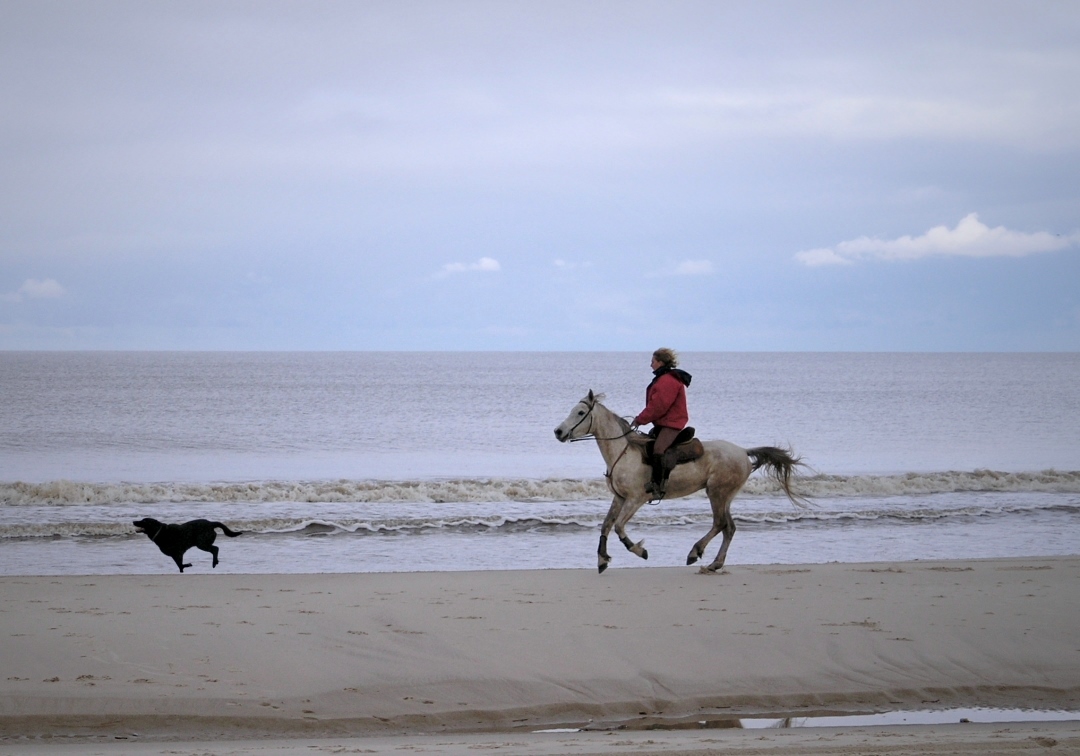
column 722, row 471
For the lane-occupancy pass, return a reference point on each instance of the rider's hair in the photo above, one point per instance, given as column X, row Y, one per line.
column 666, row 356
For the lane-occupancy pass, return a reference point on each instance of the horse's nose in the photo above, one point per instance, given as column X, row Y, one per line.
column 558, row 433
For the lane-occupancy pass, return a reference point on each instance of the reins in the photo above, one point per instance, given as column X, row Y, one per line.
column 591, row 437
column 611, row 470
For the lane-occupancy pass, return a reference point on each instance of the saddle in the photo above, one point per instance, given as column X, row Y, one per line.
column 686, row 448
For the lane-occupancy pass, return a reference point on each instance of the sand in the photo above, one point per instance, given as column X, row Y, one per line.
column 455, row 662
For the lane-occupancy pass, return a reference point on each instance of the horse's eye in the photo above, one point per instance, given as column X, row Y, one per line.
column 581, row 413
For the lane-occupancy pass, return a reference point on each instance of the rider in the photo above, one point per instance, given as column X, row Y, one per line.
column 665, row 408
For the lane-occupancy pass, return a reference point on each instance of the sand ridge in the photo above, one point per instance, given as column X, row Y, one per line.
column 234, row 656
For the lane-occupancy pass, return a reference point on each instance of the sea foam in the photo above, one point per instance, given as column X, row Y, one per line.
column 63, row 492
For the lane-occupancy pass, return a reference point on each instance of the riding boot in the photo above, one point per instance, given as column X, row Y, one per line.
column 661, row 487
column 668, row 461
column 655, row 486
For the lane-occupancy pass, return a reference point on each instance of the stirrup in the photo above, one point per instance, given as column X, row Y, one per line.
column 656, row 490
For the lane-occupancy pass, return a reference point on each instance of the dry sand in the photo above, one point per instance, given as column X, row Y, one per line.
column 455, row 662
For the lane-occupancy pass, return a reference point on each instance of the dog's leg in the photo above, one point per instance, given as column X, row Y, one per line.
column 205, row 541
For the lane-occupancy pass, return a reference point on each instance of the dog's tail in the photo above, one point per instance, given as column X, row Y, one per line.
column 226, row 531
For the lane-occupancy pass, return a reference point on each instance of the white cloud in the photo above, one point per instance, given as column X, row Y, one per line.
column 484, row 265
column 970, row 238
column 822, row 256
column 684, row 268
column 840, row 114
column 32, row 288
column 693, row 268
column 565, row 265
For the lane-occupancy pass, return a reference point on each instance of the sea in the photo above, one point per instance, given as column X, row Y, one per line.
column 349, row 462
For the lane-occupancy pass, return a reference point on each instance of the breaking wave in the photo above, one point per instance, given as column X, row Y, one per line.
column 300, row 526
column 64, row 492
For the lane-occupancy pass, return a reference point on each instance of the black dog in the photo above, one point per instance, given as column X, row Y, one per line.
column 174, row 540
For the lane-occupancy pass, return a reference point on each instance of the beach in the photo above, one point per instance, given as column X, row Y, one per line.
column 299, row 662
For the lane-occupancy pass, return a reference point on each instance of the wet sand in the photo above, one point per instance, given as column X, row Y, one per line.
column 451, row 662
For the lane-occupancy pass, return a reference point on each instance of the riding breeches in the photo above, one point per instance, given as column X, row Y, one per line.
column 664, row 438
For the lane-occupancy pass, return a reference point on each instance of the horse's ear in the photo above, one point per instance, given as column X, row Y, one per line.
column 591, row 397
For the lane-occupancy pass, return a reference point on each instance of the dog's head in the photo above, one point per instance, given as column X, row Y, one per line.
column 147, row 525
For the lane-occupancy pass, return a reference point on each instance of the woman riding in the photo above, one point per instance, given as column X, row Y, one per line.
column 665, row 408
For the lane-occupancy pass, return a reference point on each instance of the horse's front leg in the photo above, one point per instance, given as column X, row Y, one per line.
column 602, row 556
column 628, row 511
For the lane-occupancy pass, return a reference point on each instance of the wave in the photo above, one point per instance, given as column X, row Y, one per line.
column 563, row 523
column 65, row 492
column 917, row 484
column 62, row 492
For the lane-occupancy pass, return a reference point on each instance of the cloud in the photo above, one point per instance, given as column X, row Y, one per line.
column 565, row 265
column 841, row 114
column 32, row 288
column 970, row 238
column 483, row 265
column 684, row 268
column 693, row 268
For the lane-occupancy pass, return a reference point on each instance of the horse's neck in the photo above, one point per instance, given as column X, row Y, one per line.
column 609, row 433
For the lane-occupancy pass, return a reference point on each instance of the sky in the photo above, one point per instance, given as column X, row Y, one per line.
column 554, row 176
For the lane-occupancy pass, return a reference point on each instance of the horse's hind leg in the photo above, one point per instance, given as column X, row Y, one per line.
column 699, row 548
column 724, row 523
column 718, row 505
column 721, row 557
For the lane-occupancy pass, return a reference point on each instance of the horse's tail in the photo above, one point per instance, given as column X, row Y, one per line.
column 780, row 465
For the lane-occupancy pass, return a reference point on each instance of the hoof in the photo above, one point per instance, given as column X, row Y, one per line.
column 691, row 559
column 644, row 553
column 707, row 571
column 601, row 568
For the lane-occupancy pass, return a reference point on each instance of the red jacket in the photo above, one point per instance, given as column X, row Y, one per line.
column 665, row 401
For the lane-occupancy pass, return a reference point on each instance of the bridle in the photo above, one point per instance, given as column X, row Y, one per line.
column 589, row 436
column 585, row 417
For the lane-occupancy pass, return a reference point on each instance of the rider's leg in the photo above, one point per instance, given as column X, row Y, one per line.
column 664, row 439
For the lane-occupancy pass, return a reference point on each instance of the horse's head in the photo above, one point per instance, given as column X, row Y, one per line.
column 579, row 422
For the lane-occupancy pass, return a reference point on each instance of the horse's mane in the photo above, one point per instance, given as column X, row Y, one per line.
column 624, row 424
